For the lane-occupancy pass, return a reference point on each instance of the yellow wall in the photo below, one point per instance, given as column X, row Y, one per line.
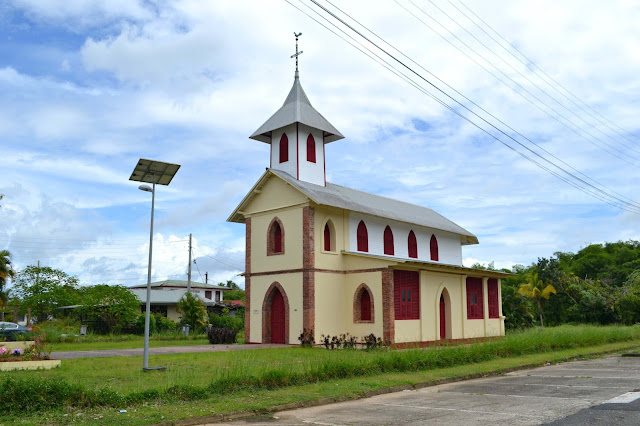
column 173, row 314
column 329, row 259
column 292, row 226
column 275, row 194
column 292, row 285
column 334, row 298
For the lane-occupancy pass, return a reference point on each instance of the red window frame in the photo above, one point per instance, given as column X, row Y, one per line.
column 327, row 237
column 284, row 148
column 311, row 149
column 406, row 289
column 493, row 300
column 475, row 307
column 388, row 241
column 365, row 305
column 433, row 248
column 362, row 237
column 412, row 244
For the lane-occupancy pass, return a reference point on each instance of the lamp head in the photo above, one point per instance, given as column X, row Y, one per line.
column 145, row 188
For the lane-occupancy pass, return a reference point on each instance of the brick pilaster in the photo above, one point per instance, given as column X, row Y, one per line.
column 247, row 282
column 308, row 266
column 388, row 311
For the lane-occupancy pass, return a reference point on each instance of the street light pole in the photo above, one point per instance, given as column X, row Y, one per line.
column 154, row 172
column 147, row 315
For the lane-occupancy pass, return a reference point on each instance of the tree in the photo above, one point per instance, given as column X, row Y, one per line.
column 194, row 312
column 236, row 293
column 536, row 289
column 44, row 289
column 6, row 273
column 113, row 307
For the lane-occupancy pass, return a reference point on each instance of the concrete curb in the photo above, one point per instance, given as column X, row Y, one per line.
column 218, row 418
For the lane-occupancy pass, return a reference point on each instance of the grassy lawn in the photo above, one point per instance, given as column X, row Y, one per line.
column 127, row 344
column 262, row 400
column 205, row 383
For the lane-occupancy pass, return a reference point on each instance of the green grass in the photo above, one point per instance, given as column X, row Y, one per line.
column 125, row 344
column 117, row 382
column 262, row 399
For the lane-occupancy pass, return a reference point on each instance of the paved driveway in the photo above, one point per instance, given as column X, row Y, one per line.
column 160, row 351
column 593, row 392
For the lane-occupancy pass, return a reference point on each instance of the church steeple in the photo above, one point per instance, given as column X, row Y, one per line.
column 300, row 130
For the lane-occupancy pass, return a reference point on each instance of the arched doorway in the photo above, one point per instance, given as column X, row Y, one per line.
column 443, row 318
column 277, row 317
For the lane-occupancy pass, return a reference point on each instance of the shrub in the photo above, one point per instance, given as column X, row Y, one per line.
column 306, row 338
column 225, row 321
column 219, row 335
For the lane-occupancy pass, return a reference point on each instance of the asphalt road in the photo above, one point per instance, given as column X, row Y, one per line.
column 159, row 351
column 604, row 391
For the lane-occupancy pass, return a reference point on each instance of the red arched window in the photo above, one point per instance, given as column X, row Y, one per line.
column 363, row 237
column 311, row 149
column 284, row 148
column 327, row 237
column 365, row 306
column 388, row 241
column 433, row 245
column 413, row 245
column 277, row 238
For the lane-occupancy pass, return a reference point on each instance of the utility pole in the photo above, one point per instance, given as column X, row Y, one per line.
column 206, row 278
column 189, row 279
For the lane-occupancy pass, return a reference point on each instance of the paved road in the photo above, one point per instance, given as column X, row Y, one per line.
column 603, row 391
column 159, row 351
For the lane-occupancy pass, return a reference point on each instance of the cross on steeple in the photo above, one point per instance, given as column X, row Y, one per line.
column 297, row 53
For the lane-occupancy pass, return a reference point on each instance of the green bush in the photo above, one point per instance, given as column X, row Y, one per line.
column 225, row 321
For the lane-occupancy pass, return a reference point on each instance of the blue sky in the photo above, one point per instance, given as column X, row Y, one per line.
column 88, row 88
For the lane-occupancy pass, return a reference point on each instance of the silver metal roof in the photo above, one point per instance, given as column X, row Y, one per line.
column 180, row 284
column 296, row 109
column 164, row 297
column 362, row 202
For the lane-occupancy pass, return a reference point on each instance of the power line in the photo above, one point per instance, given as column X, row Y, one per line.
column 599, row 194
column 219, row 261
column 521, row 87
column 531, row 63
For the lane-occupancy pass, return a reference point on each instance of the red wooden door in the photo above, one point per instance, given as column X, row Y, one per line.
column 277, row 318
column 443, row 319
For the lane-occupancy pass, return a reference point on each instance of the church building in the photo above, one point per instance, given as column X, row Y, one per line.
column 332, row 259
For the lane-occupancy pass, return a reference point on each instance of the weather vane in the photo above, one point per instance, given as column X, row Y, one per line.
column 297, row 53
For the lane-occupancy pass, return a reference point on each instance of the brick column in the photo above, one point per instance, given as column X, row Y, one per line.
column 388, row 311
column 247, row 282
column 308, row 264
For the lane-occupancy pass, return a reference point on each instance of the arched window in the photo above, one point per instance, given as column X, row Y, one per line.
column 275, row 238
column 284, row 148
column 327, row 237
column 388, row 241
column 363, row 237
column 363, row 305
column 433, row 246
column 413, row 245
column 311, row 149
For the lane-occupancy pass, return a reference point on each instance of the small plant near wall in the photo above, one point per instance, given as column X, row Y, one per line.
column 307, row 338
column 344, row 341
column 371, row 342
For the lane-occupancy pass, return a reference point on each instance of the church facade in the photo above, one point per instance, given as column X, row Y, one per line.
column 335, row 260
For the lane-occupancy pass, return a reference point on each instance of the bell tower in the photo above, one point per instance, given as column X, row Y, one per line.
column 297, row 134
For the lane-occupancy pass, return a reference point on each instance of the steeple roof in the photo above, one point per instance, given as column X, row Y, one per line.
column 296, row 109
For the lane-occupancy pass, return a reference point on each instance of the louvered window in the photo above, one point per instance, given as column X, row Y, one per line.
column 277, row 238
column 365, row 306
column 492, row 295
column 327, row 237
column 406, row 286
column 474, row 298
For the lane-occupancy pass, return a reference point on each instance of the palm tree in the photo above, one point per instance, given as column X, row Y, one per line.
column 535, row 288
column 6, row 273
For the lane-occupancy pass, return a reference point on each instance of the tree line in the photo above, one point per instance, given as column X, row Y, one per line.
column 600, row 284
